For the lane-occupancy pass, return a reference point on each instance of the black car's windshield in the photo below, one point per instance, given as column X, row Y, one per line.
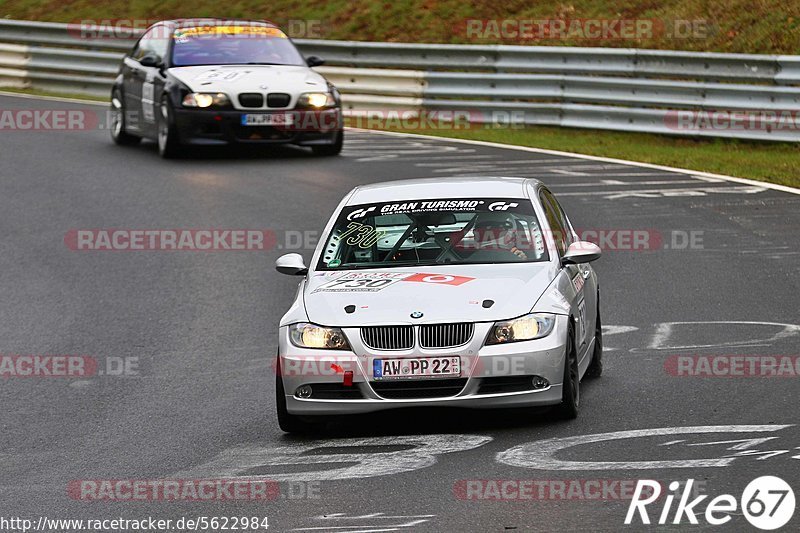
column 434, row 232
column 233, row 45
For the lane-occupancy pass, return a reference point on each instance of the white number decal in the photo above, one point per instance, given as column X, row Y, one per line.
column 582, row 320
column 542, row 454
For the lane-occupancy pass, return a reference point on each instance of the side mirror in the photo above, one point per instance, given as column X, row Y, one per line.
column 581, row 252
column 314, row 61
column 150, row 60
column 291, row 264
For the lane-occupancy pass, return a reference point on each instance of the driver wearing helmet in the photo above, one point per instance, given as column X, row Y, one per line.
column 497, row 232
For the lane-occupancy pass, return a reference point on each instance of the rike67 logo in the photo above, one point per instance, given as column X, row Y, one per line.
column 767, row 502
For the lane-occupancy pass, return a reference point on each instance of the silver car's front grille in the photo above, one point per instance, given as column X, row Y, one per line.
column 445, row 335
column 431, row 336
column 388, row 337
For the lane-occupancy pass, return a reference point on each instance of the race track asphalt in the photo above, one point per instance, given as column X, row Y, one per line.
column 202, row 328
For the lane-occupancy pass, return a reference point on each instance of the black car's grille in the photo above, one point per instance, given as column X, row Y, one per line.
column 278, row 100
column 418, row 388
column 445, row 335
column 251, row 100
column 388, row 337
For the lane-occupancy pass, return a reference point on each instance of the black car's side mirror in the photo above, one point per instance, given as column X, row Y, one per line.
column 314, row 61
column 150, row 60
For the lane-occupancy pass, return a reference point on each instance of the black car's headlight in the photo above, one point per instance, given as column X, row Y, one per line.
column 304, row 335
column 205, row 100
column 524, row 328
column 316, row 100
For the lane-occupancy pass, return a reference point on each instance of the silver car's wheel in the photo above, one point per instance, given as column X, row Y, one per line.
column 595, row 369
column 117, row 121
column 571, row 386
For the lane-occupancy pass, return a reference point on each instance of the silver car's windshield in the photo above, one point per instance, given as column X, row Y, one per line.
column 434, row 232
column 233, row 45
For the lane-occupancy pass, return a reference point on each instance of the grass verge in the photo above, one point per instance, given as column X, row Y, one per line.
column 762, row 26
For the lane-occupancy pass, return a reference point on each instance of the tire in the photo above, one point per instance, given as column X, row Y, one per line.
column 168, row 142
column 571, row 388
column 286, row 421
column 595, row 369
column 330, row 149
column 117, row 126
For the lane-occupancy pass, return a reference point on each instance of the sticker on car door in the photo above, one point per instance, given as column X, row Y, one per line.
column 148, row 95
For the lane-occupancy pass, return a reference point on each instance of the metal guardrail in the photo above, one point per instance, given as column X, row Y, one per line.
column 607, row 88
column 562, row 60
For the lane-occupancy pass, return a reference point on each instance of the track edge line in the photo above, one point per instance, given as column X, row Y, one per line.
column 734, row 179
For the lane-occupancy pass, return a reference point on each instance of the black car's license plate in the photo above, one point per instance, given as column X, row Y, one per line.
column 266, row 119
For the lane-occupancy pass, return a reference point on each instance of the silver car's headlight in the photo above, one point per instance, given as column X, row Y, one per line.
column 206, row 100
column 524, row 328
column 316, row 100
column 304, row 335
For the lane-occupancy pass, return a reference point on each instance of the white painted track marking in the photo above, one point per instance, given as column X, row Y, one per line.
column 773, row 186
column 665, row 330
column 655, row 193
column 615, row 330
column 406, row 522
column 541, row 455
column 419, row 451
column 617, row 183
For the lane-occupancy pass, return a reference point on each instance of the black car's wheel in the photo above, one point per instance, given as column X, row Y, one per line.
column 595, row 369
column 286, row 421
column 330, row 149
column 571, row 388
column 117, row 118
column 168, row 142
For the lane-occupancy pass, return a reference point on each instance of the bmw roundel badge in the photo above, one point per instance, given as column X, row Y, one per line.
column 416, row 314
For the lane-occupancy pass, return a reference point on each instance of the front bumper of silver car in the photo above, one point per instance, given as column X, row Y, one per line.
column 519, row 374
